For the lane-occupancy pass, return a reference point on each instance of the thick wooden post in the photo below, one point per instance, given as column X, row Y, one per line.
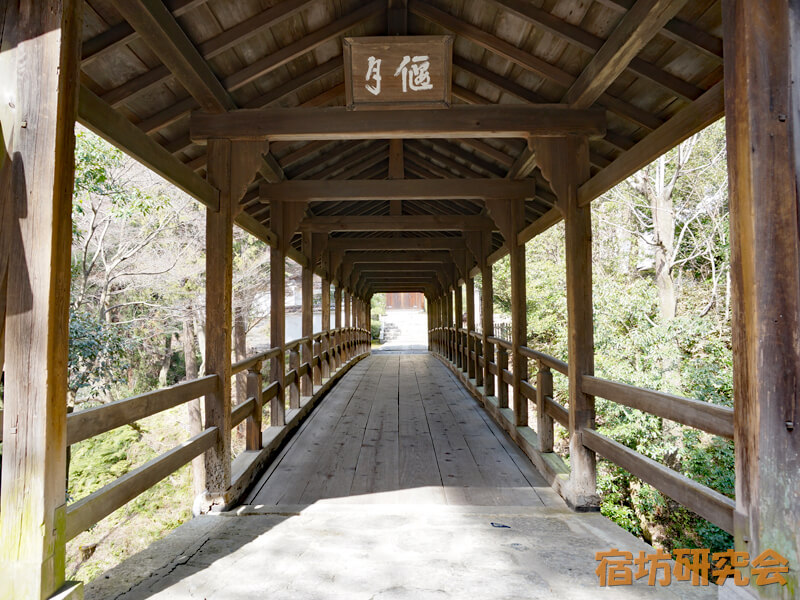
column 277, row 316
column 449, row 323
column 41, row 51
column 487, row 321
column 573, row 157
column 544, row 422
column 762, row 70
column 253, row 426
column 306, row 384
column 326, row 326
column 337, row 300
column 347, row 308
column 219, row 281
column 470, row 291
column 294, row 387
column 459, row 311
column 502, row 386
column 519, row 315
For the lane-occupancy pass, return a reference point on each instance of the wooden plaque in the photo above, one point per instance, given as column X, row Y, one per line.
column 398, row 71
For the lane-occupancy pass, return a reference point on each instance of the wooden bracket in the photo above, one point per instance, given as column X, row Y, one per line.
column 246, row 158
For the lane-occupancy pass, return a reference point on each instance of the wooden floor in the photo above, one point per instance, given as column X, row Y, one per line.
column 399, row 428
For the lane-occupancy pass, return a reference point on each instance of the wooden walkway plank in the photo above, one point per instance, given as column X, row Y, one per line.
column 401, row 429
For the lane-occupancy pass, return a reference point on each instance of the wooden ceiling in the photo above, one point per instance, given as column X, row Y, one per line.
column 658, row 76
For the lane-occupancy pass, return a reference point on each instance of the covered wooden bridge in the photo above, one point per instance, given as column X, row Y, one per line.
column 291, row 120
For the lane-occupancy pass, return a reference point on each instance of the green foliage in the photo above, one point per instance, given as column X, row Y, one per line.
column 98, row 353
column 375, row 328
column 378, row 304
column 689, row 355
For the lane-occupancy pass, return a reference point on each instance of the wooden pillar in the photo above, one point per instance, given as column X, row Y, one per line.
column 450, row 322
column 219, row 282
column 326, row 304
column 326, row 326
column 253, row 426
column 277, row 316
column 40, row 89
column 487, row 319
column 470, row 291
column 519, row 316
column 337, row 302
column 459, row 311
column 306, row 383
column 572, row 168
column 762, row 70
column 347, row 308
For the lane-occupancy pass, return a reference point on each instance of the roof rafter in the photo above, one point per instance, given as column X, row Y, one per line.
column 517, row 56
column 159, row 29
column 639, row 25
column 587, row 41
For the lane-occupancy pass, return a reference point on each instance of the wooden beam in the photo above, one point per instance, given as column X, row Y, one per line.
column 763, row 135
column 527, row 61
column 397, row 243
column 409, row 189
column 40, row 71
column 679, row 31
column 423, row 256
column 123, row 34
column 159, row 75
column 103, row 120
column 402, row 223
column 573, row 34
column 704, row 111
column 492, row 121
column 639, row 25
column 304, row 45
column 161, row 32
column 523, row 165
column 166, row 38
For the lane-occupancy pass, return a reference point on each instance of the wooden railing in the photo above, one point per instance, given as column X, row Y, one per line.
column 329, row 355
column 482, row 363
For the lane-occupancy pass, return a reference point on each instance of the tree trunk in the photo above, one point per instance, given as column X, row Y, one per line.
column 200, row 335
column 664, row 234
column 240, row 353
column 166, row 361
column 193, row 407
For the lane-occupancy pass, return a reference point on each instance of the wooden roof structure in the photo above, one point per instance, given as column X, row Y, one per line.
column 653, row 68
column 241, row 104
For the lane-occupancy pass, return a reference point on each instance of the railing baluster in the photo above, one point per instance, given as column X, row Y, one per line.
column 253, row 423
column 502, row 385
column 294, row 388
column 316, row 361
column 544, row 422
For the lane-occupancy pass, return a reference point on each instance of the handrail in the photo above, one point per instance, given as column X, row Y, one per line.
column 704, row 501
column 96, row 506
column 545, row 359
column 346, row 345
column 241, row 411
column 246, row 363
column 714, row 419
column 694, row 413
column 500, row 342
column 90, row 422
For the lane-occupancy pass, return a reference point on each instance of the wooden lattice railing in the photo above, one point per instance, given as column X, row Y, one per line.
column 329, row 355
column 482, row 363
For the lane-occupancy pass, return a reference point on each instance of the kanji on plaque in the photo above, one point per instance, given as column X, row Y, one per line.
column 398, row 72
